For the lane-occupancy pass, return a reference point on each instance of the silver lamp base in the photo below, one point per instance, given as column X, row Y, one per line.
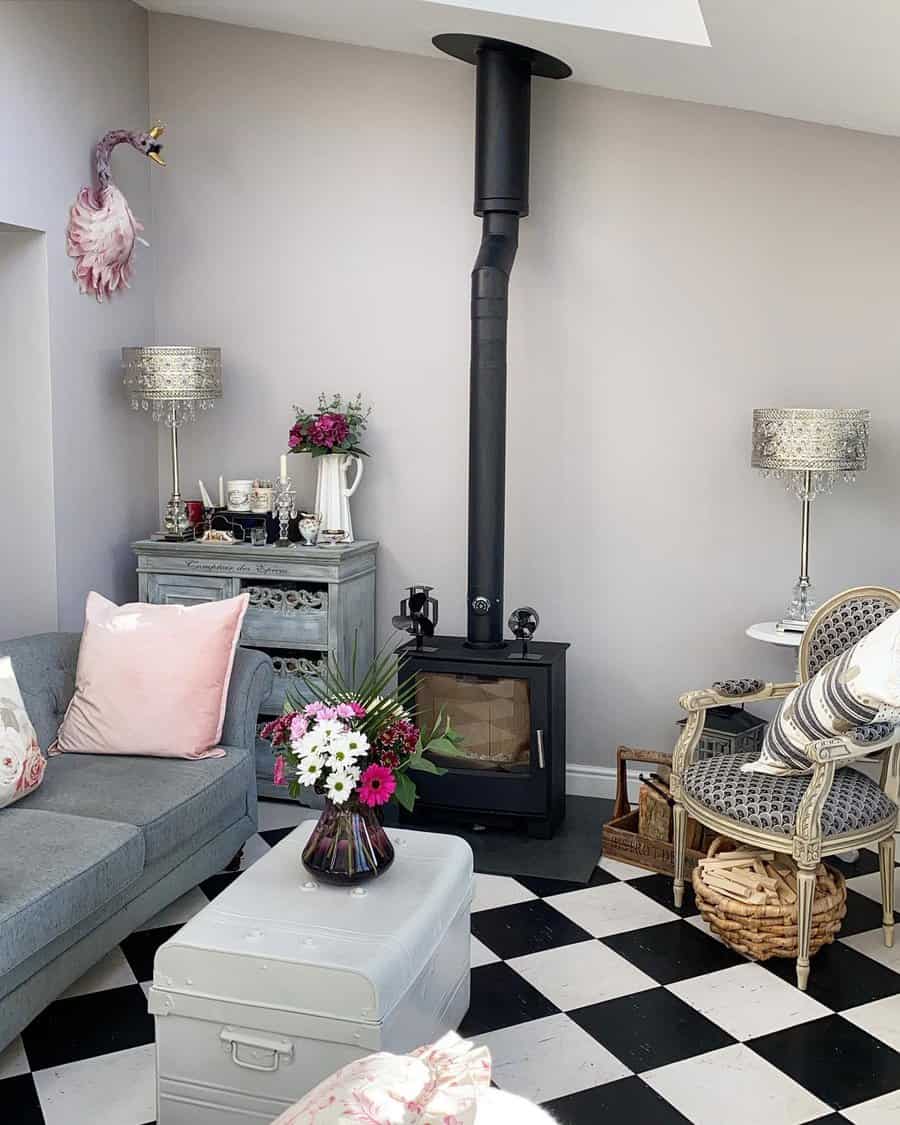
column 176, row 525
column 802, row 607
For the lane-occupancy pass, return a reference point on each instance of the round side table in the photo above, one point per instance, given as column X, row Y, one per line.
column 767, row 632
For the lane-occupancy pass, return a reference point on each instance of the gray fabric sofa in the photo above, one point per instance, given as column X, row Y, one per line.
column 106, row 842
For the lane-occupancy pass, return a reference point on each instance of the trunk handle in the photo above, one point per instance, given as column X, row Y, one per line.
column 257, row 1042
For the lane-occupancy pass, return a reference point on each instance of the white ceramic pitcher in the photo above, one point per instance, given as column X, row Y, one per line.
column 332, row 493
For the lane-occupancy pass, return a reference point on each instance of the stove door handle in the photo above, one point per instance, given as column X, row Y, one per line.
column 540, row 748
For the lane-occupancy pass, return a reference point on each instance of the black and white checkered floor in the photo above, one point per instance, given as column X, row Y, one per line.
column 600, row 1002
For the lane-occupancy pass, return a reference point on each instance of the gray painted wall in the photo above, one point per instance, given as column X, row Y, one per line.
column 28, row 586
column 69, row 71
column 681, row 265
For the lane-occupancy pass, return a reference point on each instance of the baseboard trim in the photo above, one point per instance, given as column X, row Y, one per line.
column 598, row 781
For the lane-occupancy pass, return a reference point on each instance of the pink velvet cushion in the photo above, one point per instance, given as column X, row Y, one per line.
column 152, row 679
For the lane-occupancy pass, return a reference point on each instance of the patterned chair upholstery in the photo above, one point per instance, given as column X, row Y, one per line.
column 842, row 625
column 830, row 810
column 763, row 801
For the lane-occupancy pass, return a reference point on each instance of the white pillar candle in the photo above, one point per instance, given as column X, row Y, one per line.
column 221, row 492
column 283, row 466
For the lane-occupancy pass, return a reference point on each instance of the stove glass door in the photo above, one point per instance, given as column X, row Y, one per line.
column 492, row 713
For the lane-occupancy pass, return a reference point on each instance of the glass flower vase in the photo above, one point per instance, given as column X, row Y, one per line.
column 348, row 845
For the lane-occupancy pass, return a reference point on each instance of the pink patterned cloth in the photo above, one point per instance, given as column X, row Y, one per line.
column 436, row 1085
column 152, row 679
column 22, row 764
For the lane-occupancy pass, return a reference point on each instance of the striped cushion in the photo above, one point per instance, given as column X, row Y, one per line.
column 858, row 689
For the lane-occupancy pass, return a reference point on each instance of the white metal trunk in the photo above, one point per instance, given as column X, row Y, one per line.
column 280, row 981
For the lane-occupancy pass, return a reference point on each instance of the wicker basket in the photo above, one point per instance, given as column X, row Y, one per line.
column 767, row 931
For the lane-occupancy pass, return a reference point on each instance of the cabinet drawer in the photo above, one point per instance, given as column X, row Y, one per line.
column 180, row 589
column 308, row 629
column 283, row 615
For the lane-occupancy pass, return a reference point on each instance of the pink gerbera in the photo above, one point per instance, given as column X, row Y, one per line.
column 351, row 710
column 278, row 771
column 376, row 786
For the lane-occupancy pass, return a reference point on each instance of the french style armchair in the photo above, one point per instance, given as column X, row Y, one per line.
column 831, row 810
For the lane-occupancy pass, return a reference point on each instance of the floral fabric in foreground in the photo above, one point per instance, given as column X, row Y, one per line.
column 22, row 764
column 436, row 1085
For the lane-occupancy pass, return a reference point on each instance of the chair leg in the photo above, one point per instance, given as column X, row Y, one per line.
column 886, row 863
column 679, row 835
column 806, row 893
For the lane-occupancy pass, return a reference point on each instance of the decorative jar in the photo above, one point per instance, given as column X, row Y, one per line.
column 239, row 495
column 349, row 845
column 262, row 493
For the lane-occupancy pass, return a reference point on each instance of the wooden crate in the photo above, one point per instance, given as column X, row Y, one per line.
column 621, row 839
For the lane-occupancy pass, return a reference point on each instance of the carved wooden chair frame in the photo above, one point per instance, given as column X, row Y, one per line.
column 807, row 844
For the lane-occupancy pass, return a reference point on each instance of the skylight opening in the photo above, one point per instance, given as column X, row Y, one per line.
column 678, row 21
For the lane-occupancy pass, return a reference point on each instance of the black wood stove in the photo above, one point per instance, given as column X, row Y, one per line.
column 512, row 714
column 509, row 701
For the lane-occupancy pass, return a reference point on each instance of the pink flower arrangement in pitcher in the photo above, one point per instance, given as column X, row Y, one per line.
column 336, row 427
column 357, row 744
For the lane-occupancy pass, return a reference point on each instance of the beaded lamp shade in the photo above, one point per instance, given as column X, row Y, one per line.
column 828, row 444
column 809, row 450
column 172, row 382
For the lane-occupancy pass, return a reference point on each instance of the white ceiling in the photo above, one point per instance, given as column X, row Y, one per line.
column 832, row 61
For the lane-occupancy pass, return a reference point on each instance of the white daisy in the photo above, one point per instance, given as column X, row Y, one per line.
column 352, row 773
column 340, row 785
column 310, row 769
column 357, row 743
column 329, row 729
column 344, row 749
column 311, row 743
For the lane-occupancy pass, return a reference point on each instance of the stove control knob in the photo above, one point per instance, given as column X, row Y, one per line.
column 480, row 605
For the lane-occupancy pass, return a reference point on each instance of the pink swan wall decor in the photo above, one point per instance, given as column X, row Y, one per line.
column 102, row 231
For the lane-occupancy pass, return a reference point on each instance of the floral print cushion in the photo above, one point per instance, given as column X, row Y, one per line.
column 435, row 1085
column 21, row 762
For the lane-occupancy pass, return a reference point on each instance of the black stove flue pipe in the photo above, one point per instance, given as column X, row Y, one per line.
column 502, row 130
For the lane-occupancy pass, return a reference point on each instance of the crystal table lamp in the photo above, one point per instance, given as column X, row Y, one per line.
column 809, row 450
column 172, row 382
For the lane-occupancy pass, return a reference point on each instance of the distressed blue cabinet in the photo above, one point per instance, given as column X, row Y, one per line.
column 305, row 603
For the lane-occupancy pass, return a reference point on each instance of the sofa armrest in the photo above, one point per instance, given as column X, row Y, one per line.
column 251, row 681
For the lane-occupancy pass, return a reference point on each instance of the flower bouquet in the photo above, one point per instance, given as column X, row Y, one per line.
column 336, row 427
column 357, row 747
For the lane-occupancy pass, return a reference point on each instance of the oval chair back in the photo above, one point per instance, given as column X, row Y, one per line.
column 841, row 622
